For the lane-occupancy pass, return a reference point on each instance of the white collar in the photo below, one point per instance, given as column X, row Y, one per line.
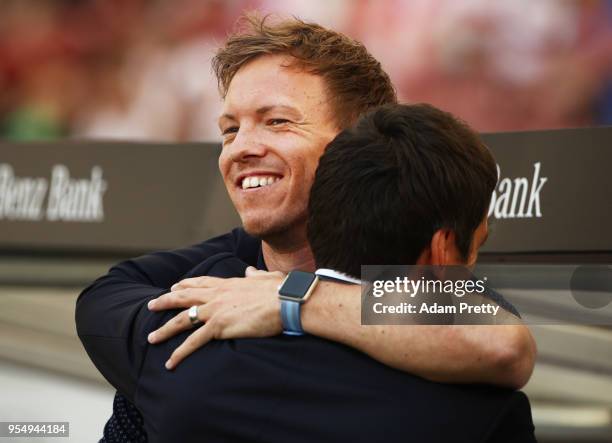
column 337, row 275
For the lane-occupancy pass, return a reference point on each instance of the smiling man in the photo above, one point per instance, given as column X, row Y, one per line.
column 271, row 148
column 288, row 88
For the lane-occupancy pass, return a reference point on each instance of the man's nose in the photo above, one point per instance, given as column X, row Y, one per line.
column 247, row 146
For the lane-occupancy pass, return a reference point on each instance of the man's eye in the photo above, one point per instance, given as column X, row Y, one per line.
column 230, row 130
column 277, row 121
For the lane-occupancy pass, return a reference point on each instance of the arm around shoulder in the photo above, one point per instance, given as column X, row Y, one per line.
column 111, row 315
column 502, row 355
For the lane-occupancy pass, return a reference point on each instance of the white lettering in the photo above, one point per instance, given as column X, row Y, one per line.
column 534, row 196
column 76, row 199
column 20, row 198
column 509, row 200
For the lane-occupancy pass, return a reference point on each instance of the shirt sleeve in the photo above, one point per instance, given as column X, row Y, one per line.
column 111, row 315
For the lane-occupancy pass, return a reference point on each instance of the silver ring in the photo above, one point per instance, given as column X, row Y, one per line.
column 193, row 315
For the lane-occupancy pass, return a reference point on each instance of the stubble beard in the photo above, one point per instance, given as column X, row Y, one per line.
column 281, row 236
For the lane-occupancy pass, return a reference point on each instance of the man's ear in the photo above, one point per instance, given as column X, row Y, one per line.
column 443, row 248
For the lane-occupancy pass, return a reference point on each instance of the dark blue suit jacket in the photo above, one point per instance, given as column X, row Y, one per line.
column 294, row 389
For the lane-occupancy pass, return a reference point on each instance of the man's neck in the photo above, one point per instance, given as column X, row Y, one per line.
column 296, row 257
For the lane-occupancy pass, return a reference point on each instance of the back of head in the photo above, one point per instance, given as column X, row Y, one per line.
column 355, row 80
column 385, row 186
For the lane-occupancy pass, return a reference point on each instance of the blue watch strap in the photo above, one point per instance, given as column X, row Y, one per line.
column 290, row 316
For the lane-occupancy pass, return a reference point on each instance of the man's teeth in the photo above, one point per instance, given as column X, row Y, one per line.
column 257, row 181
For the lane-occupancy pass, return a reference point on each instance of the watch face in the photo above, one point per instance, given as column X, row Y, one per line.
column 297, row 284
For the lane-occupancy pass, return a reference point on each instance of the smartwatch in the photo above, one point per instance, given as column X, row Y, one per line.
column 295, row 290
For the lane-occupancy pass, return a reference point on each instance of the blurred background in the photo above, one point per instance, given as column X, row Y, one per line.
column 138, row 70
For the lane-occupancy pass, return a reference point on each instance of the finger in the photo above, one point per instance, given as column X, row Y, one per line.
column 197, row 282
column 183, row 298
column 177, row 324
column 195, row 341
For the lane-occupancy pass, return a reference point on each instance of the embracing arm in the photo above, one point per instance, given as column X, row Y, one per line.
column 497, row 354
column 111, row 315
column 249, row 307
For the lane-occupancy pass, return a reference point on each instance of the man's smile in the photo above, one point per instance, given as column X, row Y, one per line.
column 257, row 180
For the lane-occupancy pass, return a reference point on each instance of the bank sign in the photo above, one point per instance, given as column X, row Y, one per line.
column 518, row 197
column 125, row 198
column 554, row 194
column 59, row 197
column 554, row 191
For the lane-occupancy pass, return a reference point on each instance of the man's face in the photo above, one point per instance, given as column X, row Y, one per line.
column 276, row 123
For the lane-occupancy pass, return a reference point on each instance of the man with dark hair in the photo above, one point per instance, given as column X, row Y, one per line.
column 411, row 185
column 405, row 181
column 284, row 101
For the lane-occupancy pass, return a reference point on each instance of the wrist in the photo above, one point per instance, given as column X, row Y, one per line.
column 333, row 311
column 314, row 312
column 275, row 310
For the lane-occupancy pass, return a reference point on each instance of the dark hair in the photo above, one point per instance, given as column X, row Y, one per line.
column 354, row 79
column 385, row 186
